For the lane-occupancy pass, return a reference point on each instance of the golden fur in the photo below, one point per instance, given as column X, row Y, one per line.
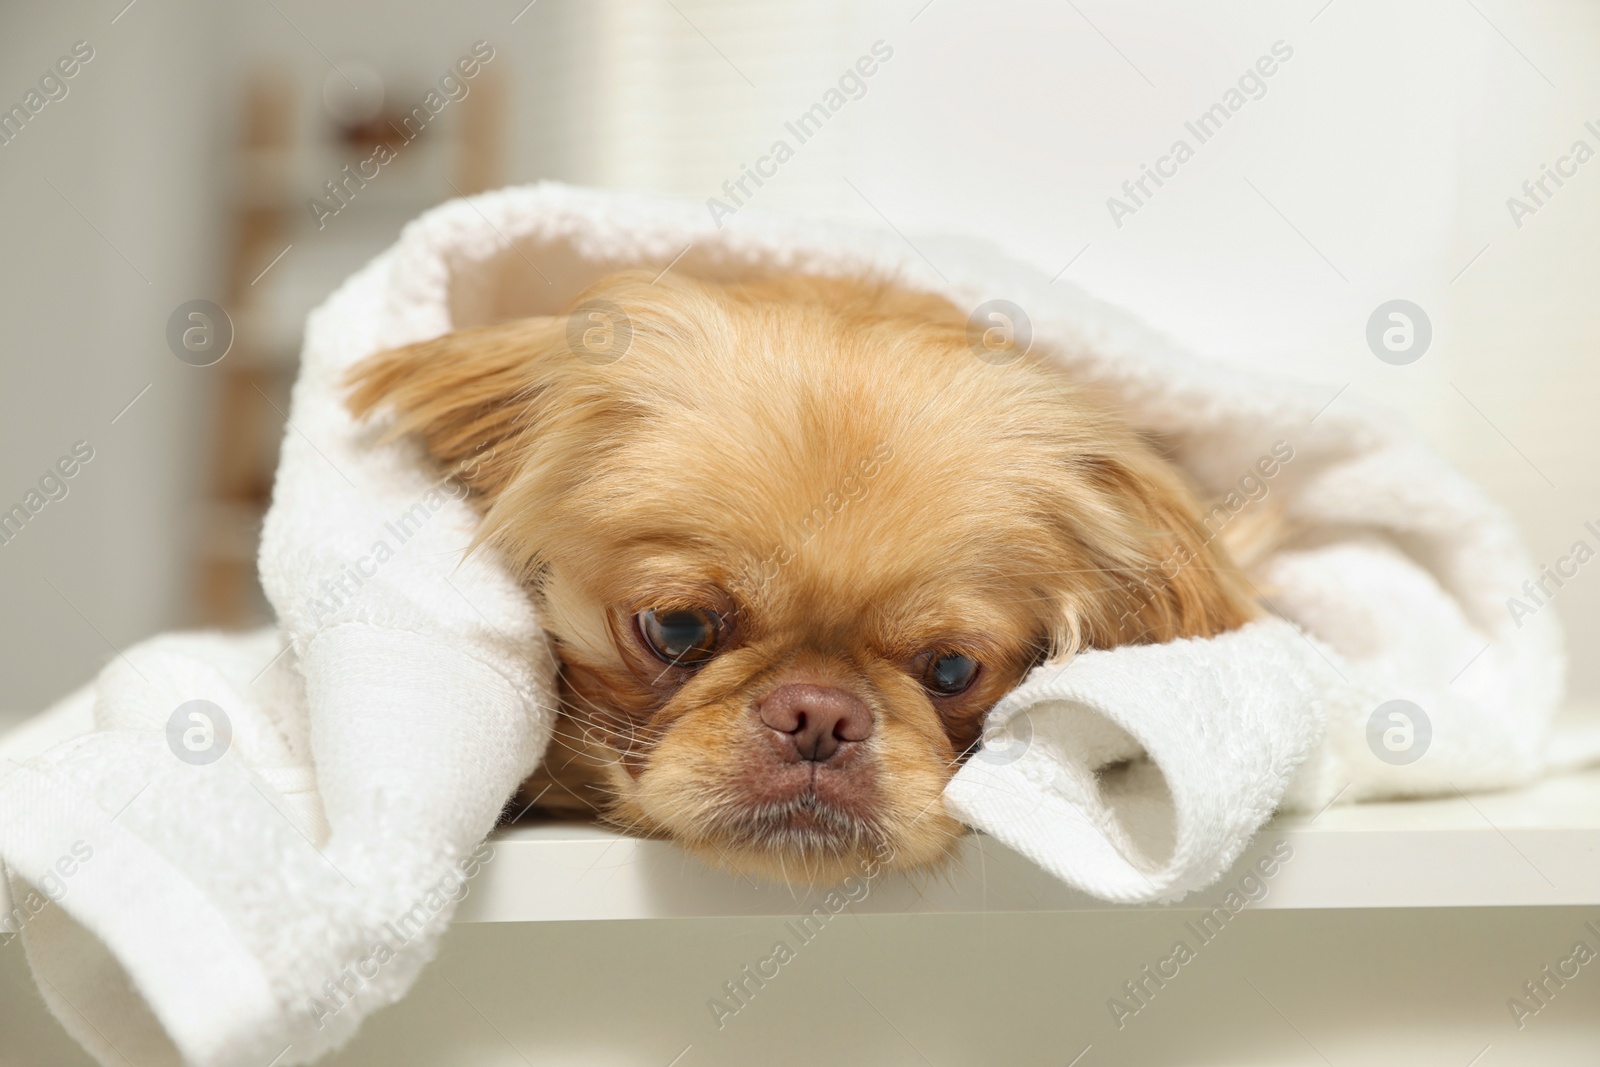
column 826, row 464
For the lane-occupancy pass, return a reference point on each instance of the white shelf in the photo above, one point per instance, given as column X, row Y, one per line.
column 1536, row 846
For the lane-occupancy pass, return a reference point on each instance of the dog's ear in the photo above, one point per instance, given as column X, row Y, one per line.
column 469, row 395
column 1157, row 571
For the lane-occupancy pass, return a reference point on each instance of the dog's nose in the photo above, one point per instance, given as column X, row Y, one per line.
column 818, row 719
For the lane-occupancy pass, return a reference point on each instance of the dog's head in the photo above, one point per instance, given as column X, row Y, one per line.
column 793, row 539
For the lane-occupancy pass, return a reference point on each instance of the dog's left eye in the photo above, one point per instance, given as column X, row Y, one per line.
column 949, row 673
column 681, row 636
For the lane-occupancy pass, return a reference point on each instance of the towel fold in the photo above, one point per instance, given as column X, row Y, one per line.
column 263, row 836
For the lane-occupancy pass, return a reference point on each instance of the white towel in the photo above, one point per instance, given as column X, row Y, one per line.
column 261, row 904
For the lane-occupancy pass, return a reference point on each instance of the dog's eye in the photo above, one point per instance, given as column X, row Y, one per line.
column 681, row 636
column 949, row 673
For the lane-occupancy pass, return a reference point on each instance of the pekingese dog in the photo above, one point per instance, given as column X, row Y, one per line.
column 792, row 539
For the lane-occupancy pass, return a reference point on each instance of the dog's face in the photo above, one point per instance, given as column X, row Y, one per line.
column 795, row 541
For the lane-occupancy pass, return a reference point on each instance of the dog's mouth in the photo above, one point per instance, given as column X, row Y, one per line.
column 806, row 824
column 802, row 810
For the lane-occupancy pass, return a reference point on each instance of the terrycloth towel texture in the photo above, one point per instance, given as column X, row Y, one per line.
column 219, row 913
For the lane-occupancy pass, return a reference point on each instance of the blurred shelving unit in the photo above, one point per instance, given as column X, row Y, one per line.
column 284, row 260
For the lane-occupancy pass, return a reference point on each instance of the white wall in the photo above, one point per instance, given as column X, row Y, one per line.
column 132, row 147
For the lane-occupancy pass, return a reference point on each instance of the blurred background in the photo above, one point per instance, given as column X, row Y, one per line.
column 185, row 156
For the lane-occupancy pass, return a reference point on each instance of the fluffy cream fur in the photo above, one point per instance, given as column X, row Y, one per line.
column 825, row 464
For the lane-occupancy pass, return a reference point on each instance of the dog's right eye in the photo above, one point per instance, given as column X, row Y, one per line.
column 683, row 637
column 949, row 673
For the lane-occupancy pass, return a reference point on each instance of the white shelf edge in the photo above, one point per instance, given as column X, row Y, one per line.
column 1542, row 848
